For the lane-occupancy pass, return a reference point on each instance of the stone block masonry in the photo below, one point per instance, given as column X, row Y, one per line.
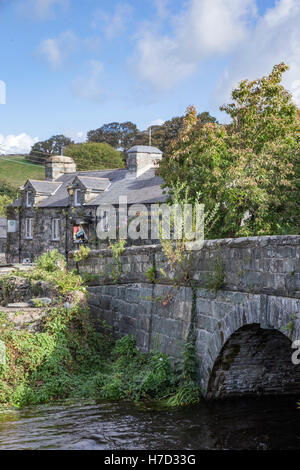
column 261, row 291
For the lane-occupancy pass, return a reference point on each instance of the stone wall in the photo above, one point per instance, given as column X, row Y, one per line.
column 269, row 265
column 19, row 248
column 261, row 288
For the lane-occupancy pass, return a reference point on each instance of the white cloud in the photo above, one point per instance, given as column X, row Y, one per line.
column 21, row 143
column 77, row 136
column 88, row 87
column 115, row 23
column 56, row 50
column 276, row 38
column 157, row 122
column 40, row 9
column 203, row 29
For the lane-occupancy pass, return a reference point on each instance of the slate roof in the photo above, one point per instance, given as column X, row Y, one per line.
column 90, row 182
column 112, row 183
column 144, row 149
column 142, row 190
column 61, row 197
column 45, row 187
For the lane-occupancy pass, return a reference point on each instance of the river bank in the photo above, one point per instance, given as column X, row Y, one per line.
column 62, row 356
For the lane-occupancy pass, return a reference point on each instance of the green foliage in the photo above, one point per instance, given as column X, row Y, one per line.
column 88, row 278
column 50, row 261
column 69, row 359
column 188, row 391
column 53, row 146
column 151, row 274
column 188, row 394
column 117, row 249
column 94, row 156
column 126, row 134
column 82, row 254
column 7, row 289
column 38, row 303
column 4, row 202
column 290, row 326
column 251, row 167
column 217, row 276
column 51, row 267
column 134, row 375
column 118, row 135
column 7, row 195
column 124, row 347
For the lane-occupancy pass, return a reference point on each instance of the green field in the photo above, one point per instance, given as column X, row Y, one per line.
column 15, row 171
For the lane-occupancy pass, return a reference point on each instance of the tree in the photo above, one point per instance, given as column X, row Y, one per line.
column 206, row 117
column 94, row 156
column 119, row 135
column 7, row 196
column 163, row 135
column 53, row 146
column 124, row 135
column 251, row 166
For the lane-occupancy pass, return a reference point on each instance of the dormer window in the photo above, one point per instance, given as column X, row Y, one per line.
column 77, row 201
column 28, row 199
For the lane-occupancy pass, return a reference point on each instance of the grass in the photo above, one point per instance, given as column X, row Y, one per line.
column 15, row 171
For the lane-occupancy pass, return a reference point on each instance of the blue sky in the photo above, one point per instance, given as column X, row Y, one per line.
column 70, row 65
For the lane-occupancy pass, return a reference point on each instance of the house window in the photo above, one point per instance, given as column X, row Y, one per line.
column 77, row 197
column 105, row 223
column 55, row 230
column 29, row 228
column 28, row 199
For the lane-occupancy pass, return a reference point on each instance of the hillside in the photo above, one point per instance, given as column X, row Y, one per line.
column 15, row 170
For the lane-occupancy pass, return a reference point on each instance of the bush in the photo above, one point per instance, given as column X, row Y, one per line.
column 51, row 261
column 82, row 254
column 94, row 156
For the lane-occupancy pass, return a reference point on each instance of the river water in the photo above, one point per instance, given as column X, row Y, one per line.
column 260, row 423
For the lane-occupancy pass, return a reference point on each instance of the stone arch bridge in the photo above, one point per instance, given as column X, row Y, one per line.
column 241, row 306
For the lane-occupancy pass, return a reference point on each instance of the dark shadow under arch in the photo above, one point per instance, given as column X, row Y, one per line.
column 254, row 361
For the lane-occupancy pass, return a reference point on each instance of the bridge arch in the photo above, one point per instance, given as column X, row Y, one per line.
column 254, row 361
column 249, row 352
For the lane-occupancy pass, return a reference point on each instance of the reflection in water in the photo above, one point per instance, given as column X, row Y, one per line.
column 262, row 423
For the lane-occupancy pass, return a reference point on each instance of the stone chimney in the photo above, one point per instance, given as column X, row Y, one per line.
column 141, row 158
column 57, row 166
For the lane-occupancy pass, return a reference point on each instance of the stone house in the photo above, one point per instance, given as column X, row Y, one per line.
column 61, row 211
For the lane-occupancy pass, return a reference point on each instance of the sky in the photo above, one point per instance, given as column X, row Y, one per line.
column 69, row 66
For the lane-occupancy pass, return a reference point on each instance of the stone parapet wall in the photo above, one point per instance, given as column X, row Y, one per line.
column 269, row 265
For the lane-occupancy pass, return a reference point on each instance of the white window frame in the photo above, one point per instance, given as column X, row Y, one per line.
column 55, row 228
column 28, row 201
column 105, row 221
column 76, row 201
column 29, row 228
